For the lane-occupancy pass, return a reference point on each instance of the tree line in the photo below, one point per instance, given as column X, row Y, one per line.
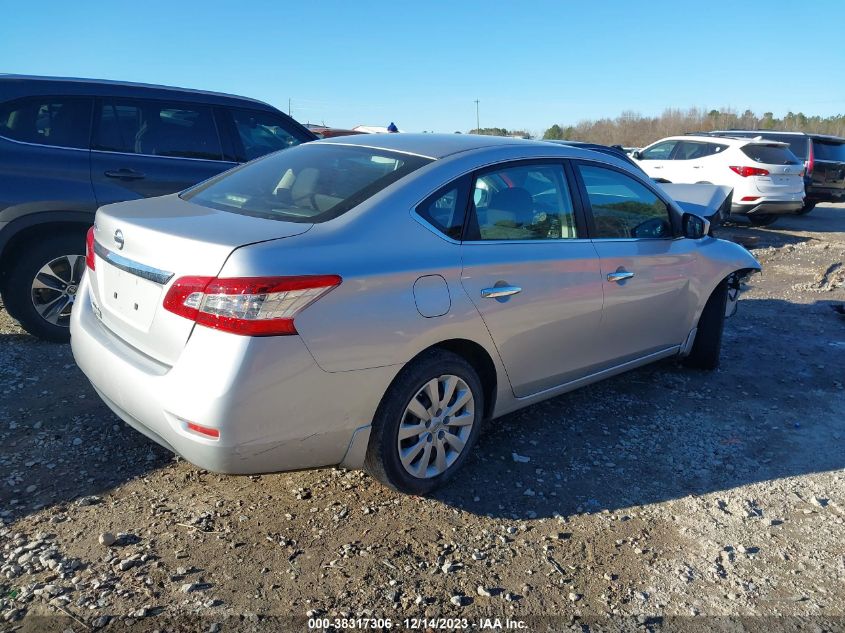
column 632, row 129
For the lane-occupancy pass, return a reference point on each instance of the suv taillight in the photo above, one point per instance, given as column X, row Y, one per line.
column 89, row 249
column 811, row 158
column 745, row 172
column 250, row 306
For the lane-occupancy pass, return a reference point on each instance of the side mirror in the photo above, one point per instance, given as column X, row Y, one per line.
column 636, row 154
column 694, row 226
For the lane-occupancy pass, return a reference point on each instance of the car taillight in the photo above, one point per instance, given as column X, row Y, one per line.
column 811, row 160
column 250, row 306
column 89, row 249
column 745, row 172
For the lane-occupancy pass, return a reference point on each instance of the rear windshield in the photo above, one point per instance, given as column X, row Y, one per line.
column 828, row 151
column 771, row 154
column 308, row 183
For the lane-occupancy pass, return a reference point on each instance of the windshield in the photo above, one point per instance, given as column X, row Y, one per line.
column 309, row 183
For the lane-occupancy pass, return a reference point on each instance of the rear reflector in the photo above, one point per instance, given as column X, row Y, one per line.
column 749, row 198
column 250, row 306
column 745, row 172
column 90, row 261
column 204, row 430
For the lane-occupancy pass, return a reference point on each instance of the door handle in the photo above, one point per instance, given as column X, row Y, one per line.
column 619, row 275
column 657, row 166
column 696, row 166
column 497, row 292
column 124, row 174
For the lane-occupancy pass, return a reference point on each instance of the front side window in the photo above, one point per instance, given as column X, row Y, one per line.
column 661, row 151
column 308, row 183
column 157, row 128
column 525, row 202
column 623, row 207
column 261, row 133
column 58, row 121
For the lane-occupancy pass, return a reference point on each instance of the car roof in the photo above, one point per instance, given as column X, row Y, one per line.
column 432, row 145
column 827, row 137
column 15, row 86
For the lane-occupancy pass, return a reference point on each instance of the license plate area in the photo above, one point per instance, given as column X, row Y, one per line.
column 128, row 297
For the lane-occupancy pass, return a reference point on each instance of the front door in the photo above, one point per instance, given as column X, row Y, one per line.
column 646, row 269
column 533, row 276
column 656, row 160
column 143, row 148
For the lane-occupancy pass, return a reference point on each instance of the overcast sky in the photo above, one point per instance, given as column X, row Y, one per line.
column 422, row 64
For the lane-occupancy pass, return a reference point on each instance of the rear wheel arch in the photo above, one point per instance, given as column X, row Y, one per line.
column 26, row 230
column 481, row 361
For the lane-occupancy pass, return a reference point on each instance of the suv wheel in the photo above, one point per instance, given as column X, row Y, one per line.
column 41, row 288
column 808, row 206
column 427, row 423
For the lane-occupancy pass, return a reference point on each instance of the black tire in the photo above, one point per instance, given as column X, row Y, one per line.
column 383, row 460
column 707, row 347
column 808, row 206
column 764, row 219
column 18, row 293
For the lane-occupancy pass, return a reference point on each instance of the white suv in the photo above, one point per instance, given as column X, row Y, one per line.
column 767, row 178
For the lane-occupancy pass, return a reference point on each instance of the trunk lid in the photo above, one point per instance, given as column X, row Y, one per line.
column 829, row 164
column 785, row 169
column 142, row 246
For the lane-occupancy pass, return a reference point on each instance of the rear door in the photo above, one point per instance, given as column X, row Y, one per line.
column 532, row 274
column 143, row 148
column 829, row 165
column 648, row 306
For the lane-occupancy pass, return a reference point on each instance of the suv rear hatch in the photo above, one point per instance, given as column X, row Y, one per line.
column 784, row 169
column 829, row 165
column 143, row 246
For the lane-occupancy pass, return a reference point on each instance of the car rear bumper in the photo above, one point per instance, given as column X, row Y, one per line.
column 766, row 208
column 274, row 407
column 825, row 194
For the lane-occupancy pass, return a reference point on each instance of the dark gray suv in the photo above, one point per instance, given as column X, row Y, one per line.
column 68, row 146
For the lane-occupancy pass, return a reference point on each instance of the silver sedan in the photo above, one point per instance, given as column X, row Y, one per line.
column 372, row 301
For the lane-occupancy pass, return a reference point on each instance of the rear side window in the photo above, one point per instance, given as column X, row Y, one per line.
column 770, row 154
column 690, row 150
column 446, row 209
column 58, row 121
column 828, row 151
column 622, row 207
column 261, row 133
column 309, row 183
column 158, row 128
column 523, row 202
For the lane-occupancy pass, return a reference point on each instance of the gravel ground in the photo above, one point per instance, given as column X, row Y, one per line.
column 665, row 493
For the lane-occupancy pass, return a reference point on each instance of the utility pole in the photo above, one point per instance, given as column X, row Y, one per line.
column 288, row 106
column 477, row 124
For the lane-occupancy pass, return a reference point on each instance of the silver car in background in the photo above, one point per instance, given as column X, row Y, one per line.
column 371, row 301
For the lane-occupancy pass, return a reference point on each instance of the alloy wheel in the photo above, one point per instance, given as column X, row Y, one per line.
column 436, row 426
column 55, row 286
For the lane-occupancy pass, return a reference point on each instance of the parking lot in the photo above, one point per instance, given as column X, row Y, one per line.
column 662, row 492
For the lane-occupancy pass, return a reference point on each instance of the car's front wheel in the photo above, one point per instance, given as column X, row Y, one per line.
column 427, row 423
column 707, row 347
column 42, row 285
